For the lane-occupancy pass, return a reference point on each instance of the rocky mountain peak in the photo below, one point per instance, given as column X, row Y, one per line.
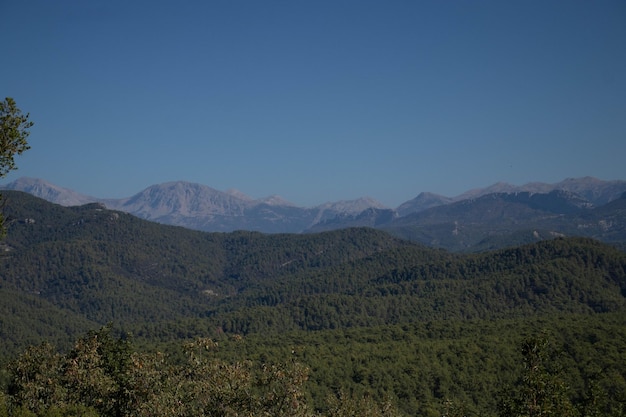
column 182, row 198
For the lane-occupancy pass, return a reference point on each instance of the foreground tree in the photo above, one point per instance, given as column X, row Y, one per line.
column 103, row 376
column 14, row 127
column 14, row 130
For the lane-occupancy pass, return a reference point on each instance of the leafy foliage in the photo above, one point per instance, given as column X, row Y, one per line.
column 14, row 127
column 102, row 376
column 540, row 390
column 436, row 369
column 426, row 368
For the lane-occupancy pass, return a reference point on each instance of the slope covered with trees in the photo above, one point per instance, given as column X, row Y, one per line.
column 367, row 314
column 572, row 366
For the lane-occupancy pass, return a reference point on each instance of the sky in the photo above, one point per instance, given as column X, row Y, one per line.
column 316, row 101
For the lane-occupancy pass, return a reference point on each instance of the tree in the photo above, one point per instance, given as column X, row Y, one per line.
column 540, row 391
column 103, row 376
column 14, row 127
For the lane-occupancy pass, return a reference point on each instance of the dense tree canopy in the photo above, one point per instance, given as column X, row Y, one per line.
column 103, row 376
column 390, row 372
column 344, row 322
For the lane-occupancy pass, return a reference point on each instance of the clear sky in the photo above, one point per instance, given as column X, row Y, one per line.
column 317, row 100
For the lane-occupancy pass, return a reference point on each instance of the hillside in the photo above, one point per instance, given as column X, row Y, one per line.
column 104, row 265
column 366, row 312
column 101, row 265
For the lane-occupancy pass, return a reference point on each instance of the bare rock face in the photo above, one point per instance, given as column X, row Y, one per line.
column 182, row 198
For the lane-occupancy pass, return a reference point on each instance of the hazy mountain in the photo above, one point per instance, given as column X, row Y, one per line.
column 50, row 192
column 275, row 200
column 501, row 207
column 371, row 217
column 503, row 215
column 180, row 199
column 506, row 219
column 422, row 202
column 238, row 194
column 501, row 188
column 486, row 214
column 352, row 206
column 330, row 210
column 597, row 191
column 201, row 207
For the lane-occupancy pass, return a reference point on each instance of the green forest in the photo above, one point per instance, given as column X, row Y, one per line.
column 104, row 314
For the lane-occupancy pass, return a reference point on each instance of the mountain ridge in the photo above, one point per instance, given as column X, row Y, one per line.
column 506, row 219
column 201, row 207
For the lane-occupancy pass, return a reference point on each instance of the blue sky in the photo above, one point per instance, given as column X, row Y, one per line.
column 317, row 100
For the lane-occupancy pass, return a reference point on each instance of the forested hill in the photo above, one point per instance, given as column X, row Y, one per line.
column 91, row 266
column 368, row 314
column 86, row 266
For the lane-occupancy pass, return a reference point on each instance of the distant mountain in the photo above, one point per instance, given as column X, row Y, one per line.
column 498, row 188
column 49, row 192
column 462, row 224
column 181, row 199
column 506, row 219
column 203, row 208
column 200, row 207
column 503, row 215
column 514, row 207
column 371, row 217
column 422, row 202
column 596, row 191
column 329, row 211
column 352, row 206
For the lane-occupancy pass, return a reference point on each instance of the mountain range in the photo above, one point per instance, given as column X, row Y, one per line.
column 201, row 207
column 483, row 218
